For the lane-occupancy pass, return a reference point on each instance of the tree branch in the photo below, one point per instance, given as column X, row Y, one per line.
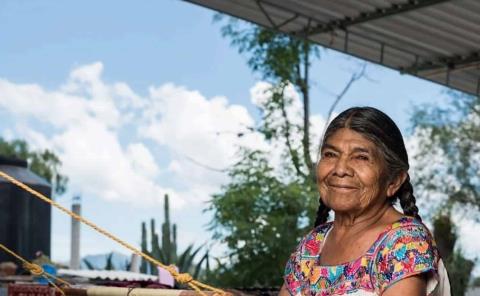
column 202, row 165
column 306, row 108
column 291, row 150
column 355, row 76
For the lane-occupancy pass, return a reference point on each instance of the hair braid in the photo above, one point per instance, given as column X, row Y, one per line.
column 407, row 199
column 322, row 213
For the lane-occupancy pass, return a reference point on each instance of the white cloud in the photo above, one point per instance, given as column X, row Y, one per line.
column 84, row 122
column 118, row 146
column 142, row 160
column 30, row 100
column 260, row 93
column 98, row 165
column 422, row 166
column 196, row 136
column 200, row 133
column 317, row 127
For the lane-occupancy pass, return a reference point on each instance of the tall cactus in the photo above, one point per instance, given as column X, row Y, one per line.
column 174, row 243
column 166, row 235
column 167, row 253
column 143, row 266
column 156, row 252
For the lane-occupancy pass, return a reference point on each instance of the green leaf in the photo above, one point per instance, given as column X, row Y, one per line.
column 88, row 264
column 198, row 267
column 109, row 264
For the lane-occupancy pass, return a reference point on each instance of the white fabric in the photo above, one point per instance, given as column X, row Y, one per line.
column 440, row 285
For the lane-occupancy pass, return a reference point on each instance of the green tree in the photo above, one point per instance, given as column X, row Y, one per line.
column 281, row 60
column 447, row 166
column 449, row 140
column 265, row 208
column 259, row 218
column 476, row 282
column 459, row 268
column 44, row 163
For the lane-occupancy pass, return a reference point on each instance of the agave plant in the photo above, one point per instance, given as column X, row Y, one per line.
column 108, row 265
column 89, row 265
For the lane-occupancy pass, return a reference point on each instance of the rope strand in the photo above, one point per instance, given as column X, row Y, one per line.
column 37, row 270
column 183, row 278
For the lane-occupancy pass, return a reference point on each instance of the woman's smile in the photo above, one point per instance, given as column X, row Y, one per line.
column 341, row 187
column 349, row 172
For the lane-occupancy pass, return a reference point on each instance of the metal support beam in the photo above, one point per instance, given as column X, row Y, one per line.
column 262, row 3
column 265, row 13
column 478, row 87
column 345, row 43
column 451, row 63
column 287, row 21
column 423, row 60
column 369, row 16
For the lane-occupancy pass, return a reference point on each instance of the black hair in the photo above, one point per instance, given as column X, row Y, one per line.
column 376, row 126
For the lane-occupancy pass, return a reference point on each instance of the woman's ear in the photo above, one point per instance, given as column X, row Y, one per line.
column 396, row 183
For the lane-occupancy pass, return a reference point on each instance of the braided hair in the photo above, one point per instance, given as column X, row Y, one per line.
column 376, row 126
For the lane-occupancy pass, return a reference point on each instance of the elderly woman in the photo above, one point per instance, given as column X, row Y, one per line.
column 370, row 248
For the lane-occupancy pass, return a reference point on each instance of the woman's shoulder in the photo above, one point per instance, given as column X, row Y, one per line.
column 407, row 229
column 407, row 248
column 403, row 236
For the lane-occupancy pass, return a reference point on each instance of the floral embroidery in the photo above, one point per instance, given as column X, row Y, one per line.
column 405, row 248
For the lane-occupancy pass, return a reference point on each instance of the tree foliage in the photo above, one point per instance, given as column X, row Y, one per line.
column 449, row 140
column 44, row 163
column 259, row 217
column 452, row 133
column 265, row 208
column 259, row 214
column 459, row 268
column 281, row 60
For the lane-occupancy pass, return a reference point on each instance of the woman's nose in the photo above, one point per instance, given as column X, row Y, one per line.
column 342, row 167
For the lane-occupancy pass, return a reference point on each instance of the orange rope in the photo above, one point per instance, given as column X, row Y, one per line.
column 183, row 278
column 37, row 270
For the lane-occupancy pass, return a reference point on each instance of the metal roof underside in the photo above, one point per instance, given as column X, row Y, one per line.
column 438, row 40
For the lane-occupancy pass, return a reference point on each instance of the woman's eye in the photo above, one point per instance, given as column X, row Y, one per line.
column 362, row 157
column 328, row 154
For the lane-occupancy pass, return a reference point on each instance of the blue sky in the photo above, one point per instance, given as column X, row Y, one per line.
column 126, row 92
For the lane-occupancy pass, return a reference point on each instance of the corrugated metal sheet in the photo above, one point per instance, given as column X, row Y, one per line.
column 114, row 275
column 438, row 40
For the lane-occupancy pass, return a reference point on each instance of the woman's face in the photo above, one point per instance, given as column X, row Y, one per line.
column 349, row 174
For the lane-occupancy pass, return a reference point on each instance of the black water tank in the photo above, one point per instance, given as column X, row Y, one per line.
column 24, row 219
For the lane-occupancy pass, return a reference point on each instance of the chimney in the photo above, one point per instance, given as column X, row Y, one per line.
column 75, row 239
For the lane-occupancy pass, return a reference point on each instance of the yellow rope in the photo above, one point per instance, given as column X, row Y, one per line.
column 37, row 270
column 183, row 278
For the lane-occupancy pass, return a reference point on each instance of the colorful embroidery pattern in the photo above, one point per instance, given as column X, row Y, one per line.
column 403, row 249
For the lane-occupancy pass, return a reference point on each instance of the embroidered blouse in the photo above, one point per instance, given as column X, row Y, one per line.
column 403, row 249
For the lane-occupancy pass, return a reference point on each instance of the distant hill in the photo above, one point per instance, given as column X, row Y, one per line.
column 119, row 261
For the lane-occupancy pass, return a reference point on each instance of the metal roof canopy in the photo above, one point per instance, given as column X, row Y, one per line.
column 438, row 40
